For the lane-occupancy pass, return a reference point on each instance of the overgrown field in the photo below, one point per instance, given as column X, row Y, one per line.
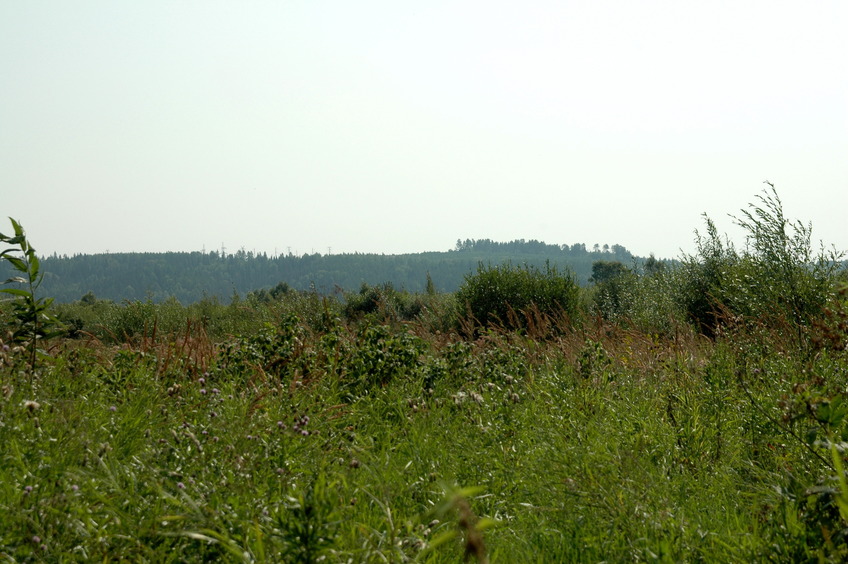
column 689, row 414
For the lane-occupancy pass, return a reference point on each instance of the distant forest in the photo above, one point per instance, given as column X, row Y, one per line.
column 189, row 277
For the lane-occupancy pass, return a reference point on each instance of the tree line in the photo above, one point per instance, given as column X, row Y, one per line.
column 191, row 276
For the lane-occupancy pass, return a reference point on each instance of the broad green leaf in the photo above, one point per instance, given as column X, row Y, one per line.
column 441, row 539
column 15, row 292
column 34, row 266
column 213, row 536
column 485, row 523
column 171, row 518
column 19, row 264
column 469, row 491
column 19, row 231
column 842, row 498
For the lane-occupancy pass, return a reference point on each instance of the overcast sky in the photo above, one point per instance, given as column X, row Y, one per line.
column 392, row 127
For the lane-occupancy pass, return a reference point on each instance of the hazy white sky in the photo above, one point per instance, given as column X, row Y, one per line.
column 387, row 126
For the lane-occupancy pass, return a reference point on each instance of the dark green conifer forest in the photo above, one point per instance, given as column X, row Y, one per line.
column 189, row 277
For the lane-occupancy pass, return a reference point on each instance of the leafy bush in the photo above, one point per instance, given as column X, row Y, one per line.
column 612, row 294
column 777, row 280
column 509, row 296
column 380, row 356
column 701, row 281
column 269, row 350
column 780, row 276
column 383, row 301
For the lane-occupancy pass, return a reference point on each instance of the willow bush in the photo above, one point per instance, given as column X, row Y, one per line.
column 508, row 296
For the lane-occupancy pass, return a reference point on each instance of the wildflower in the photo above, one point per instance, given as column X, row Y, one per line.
column 32, row 405
column 216, row 391
column 112, row 408
column 75, row 488
column 27, row 490
column 281, row 425
column 201, row 380
column 181, row 485
column 203, row 391
column 36, row 539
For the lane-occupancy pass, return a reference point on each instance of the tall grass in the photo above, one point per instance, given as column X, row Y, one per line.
column 311, row 429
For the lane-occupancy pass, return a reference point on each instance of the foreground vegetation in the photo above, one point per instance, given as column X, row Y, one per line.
column 668, row 414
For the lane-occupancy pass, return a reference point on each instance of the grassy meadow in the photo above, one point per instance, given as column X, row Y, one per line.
column 665, row 414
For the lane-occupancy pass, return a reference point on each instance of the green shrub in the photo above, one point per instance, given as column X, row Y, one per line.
column 701, row 279
column 383, row 301
column 270, row 350
column 612, row 294
column 780, row 276
column 380, row 356
column 508, row 296
column 776, row 281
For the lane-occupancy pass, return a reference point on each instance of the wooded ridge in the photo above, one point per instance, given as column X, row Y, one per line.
column 189, row 276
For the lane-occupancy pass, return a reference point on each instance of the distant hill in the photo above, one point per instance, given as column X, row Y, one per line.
column 191, row 276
